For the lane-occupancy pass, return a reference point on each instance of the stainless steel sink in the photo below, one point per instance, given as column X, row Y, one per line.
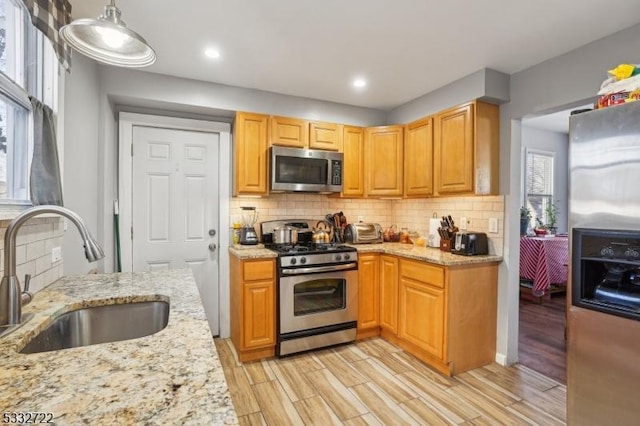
column 101, row 324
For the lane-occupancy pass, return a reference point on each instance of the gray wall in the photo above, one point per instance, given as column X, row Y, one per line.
column 155, row 90
column 143, row 91
column 486, row 84
column 568, row 80
column 558, row 143
column 81, row 116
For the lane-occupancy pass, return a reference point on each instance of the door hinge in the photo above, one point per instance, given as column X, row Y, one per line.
column 132, row 150
column 132, row 232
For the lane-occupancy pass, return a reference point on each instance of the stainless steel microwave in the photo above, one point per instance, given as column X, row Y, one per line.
column 305, row 170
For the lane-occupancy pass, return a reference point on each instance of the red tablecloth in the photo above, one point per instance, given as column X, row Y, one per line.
column 544, row 261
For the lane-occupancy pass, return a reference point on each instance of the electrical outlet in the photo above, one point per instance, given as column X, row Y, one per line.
column 463, row 223
column 360, row 219
column 56, row 254
column 493, row 225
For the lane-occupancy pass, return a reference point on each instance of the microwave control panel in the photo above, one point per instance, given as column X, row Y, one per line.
column 336, row 172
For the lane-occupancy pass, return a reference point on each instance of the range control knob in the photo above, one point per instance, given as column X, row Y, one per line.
column 631, row 253
column 347, row 257
column 338, row 258
column 303, row 260
column 293, row 261
column 607, row 252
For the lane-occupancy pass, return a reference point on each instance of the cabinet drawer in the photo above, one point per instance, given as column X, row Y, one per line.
column 422, row 272
column 261, row 270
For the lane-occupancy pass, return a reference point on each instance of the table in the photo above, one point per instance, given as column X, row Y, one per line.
column 544, row 260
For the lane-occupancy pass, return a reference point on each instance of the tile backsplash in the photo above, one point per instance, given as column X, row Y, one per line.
column 411, row 213
column 415, row 214
column 35, row 240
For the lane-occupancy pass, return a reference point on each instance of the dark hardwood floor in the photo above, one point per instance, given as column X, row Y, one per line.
column 542, row 345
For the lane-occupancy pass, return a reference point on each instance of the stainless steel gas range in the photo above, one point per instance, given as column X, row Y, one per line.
column 317, row 295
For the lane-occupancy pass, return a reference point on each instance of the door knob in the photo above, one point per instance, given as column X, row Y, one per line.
column 213, row 247
column 212, row 232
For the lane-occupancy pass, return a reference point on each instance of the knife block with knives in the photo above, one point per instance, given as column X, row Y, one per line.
column 447, row 233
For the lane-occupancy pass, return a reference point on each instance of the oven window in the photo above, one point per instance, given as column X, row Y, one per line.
column 319, row 296
column 301, row 170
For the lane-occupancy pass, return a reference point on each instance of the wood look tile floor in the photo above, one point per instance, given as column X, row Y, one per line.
column 373, row 382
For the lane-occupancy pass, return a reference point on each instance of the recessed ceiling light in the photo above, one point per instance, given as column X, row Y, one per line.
column 212, row 53
column 359, row 82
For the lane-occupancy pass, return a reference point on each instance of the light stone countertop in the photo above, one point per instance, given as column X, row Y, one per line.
column 252, row 252
column 171, row 377
column 424, row 254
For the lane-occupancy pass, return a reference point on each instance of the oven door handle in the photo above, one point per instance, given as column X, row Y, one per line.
column 331, row 268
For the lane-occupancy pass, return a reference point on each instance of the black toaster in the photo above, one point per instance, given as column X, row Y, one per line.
column 470, row 243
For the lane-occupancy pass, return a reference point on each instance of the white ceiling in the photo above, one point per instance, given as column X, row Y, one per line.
column 404, row 48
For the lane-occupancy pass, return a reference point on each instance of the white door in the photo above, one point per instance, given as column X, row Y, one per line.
column 175, row 206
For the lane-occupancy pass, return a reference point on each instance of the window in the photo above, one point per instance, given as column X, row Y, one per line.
column 538, row 183
column 28, row 65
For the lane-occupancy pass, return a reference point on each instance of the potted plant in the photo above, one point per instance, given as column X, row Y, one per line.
column 551, row 212
column 525, row 217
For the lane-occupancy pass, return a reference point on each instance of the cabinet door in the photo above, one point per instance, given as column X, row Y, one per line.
column 250, row 154
column 368, row 291
column 454, row 150
column 418, row 158
column 258, row 320
column 422, row 315
column 389, row 293
column 353, row 168
column 289, row 132
column 383, row 147
column 327, row 136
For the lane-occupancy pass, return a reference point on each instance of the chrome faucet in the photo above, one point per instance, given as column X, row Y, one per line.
column 11, row 298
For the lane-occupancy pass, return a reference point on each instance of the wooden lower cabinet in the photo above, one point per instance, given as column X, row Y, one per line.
column 368, row 295
column 389, row 294
column 443, row 315
column 426, row 331
column 447, row 315
column 253, row 307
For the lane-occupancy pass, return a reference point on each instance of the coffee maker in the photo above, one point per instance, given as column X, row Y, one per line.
column 248, row 235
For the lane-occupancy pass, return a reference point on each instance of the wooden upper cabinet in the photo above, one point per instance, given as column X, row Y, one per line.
column 327, row 136
column 467, row 149
column 418, row 158
column 454, row 162
column 289, row 132
column 384, row 153
column 251, row 154
column 353, row 167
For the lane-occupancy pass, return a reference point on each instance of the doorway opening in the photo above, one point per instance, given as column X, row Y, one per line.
column 544, row 243
column 173, row 191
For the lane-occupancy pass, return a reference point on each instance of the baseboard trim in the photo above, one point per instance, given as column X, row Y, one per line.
column 501, row 359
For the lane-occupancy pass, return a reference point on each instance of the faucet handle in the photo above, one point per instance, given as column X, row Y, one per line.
column 26, row 296
column 27, row 280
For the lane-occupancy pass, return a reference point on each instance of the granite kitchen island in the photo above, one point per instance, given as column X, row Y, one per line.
column 171, row 377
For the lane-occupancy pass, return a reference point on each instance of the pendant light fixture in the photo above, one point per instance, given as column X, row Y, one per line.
column 108, row 40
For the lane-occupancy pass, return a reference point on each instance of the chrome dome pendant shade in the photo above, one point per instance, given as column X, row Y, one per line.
column 108, row 40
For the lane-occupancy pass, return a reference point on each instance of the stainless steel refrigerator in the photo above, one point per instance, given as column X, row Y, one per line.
column 603, row 359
